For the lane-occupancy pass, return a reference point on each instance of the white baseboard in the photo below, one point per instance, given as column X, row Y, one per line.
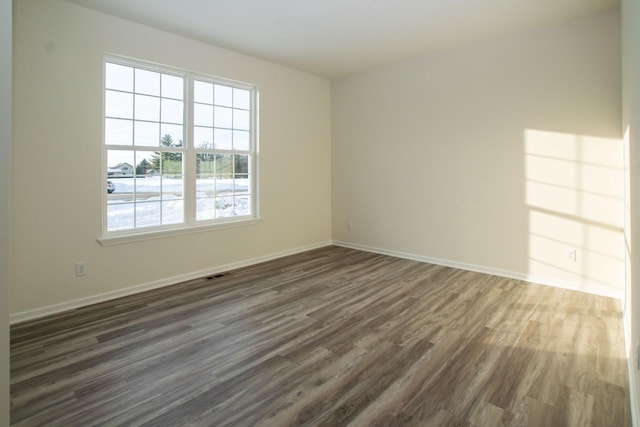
column 106, row 296
column 564, row 284
column 81, row 302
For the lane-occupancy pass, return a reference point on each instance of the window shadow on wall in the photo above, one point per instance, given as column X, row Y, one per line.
column 574, row 193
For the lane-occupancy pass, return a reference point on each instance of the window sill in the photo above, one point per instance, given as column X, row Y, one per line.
column 179, row 231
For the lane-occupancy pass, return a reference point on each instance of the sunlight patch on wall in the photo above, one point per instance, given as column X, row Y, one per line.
column 574, row 192
column 627, row 232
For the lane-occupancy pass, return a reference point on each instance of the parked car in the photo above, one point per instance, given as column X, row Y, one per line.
column 110, row 187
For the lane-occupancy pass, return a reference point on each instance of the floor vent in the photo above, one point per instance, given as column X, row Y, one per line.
column 215, row 276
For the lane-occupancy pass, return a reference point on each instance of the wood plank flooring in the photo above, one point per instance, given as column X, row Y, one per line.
column 329, row 337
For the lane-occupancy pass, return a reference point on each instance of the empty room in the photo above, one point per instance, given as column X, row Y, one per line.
column 419, row 213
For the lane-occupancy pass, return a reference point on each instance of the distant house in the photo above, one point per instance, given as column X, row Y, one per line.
column 121, row 169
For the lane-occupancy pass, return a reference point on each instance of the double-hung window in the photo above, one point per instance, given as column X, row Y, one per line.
column 179, row 150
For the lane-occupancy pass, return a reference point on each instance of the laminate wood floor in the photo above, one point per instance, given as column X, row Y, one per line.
column 329, row 337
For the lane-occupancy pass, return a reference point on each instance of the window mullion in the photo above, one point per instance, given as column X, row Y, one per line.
column 253, row 155
column 190, row 156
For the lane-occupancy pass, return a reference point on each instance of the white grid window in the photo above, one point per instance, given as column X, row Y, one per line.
column 221, row 137
column 179, row 149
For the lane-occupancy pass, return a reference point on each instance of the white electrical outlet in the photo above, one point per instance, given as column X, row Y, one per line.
column 81, row 268
column 349, row 226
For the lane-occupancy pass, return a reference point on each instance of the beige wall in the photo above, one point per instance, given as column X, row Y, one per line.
column 500, row 156
column 58, row 179
column 5, row 211
column 631, row 131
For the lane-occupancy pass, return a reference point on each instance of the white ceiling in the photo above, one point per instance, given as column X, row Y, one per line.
column 336, row 37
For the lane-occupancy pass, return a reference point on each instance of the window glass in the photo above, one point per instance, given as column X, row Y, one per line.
column 152, row 145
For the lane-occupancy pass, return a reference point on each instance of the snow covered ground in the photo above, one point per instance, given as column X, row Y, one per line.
column 159, row 201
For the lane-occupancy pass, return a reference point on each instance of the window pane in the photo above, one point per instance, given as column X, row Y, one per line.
column 171, row 135
column 147, row 214
column 242, row 205
column 224, row 207
column 124, row 190
column 202, row 115
column 144, row 165
column 222, row 139
column 203, row 92
column 223, row 117
column 172, row 111
column 205, row 184
column 206, row 163
column 119, row 132
column 241, row 184
column 241, row 98
column 147, row 108
column 147, row 82
column 224, row 185
column 170, row 164
column 205, row 208
column 240, row 119
column 241, row 164
column 120, row 163
column 120, row 172
column 224, row 165
column 240, row 140
column 172, row 212
column 118, row 77
column 146, row 134
column 118, row 104
column 120, row 217
column 202, row 137
column 224, row 96
column 172, row 87
column 172, row 186
column 115, row 192
column 147, row 190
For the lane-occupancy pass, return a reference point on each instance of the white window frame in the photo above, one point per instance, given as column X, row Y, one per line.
column 190, row 224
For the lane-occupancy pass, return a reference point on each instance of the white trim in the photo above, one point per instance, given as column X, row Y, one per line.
column 69, row 305
column 188, row 150
column 590, row 288
column 106, row 296
column 176, row 231
column 631, row 369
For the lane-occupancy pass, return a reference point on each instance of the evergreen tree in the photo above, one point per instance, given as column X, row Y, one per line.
column 241, row 163
column 167, row 162
column 143, row 167
column 205, row 161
